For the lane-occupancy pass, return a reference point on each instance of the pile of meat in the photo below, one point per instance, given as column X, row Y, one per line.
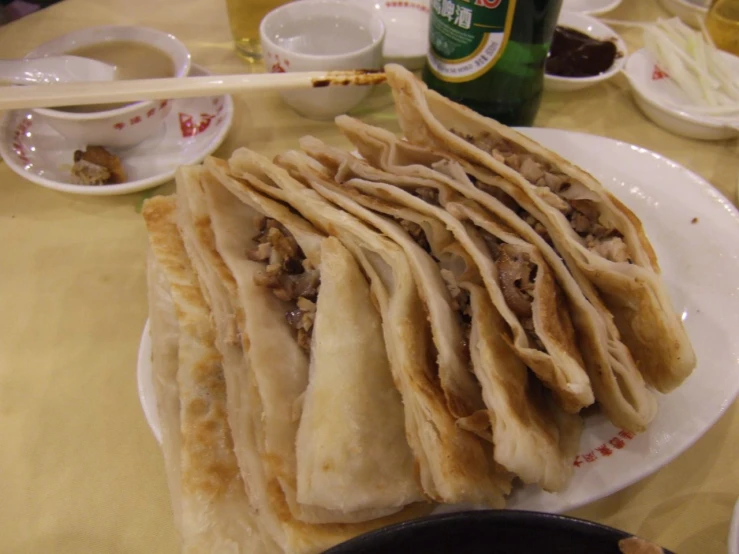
column 517, row 278
column 288, row 274
column 563, row 193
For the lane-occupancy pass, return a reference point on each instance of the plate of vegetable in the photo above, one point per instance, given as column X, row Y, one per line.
column 685, row 84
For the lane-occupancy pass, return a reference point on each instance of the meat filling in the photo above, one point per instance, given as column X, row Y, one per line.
column 559, row 191
column 288, row 274
column 460, row 296
column 510, row 203
column 460, row 301
column 430, row 195
column 416, row 233
column 517, row 278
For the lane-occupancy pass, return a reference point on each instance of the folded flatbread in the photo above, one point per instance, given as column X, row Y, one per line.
column 351, row 447
column 617, row 383
column 361, row 371
column 454, row 465
column 214, row 219
column 591, row 229
column 215, row 511
column 533, row 438
column 519, row 282
column 164, row 332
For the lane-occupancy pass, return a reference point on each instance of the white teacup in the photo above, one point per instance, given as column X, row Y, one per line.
column 119, row 127
column 316, row 35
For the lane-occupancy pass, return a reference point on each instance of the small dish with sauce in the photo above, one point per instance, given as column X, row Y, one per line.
column 137, row 53
column 584, row 52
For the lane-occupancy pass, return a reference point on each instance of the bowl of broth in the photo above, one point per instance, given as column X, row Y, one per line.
column 136, row 53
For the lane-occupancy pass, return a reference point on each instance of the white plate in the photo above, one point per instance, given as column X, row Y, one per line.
column 663, row 101
column 591, row 7
column 700, row 264
column 406, row 30
column 194, row 128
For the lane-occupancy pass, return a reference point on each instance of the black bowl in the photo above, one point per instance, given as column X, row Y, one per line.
column 489, row 532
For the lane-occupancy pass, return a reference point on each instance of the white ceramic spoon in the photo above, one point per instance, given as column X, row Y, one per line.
column 54, row 69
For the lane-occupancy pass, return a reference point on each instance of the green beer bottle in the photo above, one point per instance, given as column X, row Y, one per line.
column 489, row 54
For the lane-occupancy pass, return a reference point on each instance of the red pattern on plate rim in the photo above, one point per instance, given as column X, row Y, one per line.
column 19, row 148
column 189, row 127
column 604, row 450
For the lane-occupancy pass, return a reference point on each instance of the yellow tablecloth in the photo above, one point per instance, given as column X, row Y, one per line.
column 79, row 468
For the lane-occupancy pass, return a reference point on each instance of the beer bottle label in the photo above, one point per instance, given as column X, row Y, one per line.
column 468, row 37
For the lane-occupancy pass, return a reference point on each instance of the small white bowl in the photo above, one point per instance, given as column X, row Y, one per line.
column 690, row 13
column 661, row 99
column 407, row 30
column 590, row 7
column 286, row 32
column 593, row 28
column 121, row 127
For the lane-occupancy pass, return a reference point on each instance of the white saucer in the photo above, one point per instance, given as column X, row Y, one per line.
column 664, row 102
column 590, row 7
column 406, row 30
column 194, row 128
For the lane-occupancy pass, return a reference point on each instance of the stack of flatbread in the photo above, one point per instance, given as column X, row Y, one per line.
column 344, row 342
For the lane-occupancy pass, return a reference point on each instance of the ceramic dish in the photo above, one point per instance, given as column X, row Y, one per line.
column 108, row 127
column 690, row 11
column 592, row 7
column 194, row 128
column 660, row 98
column 489, row 532
column 407, row 30
column 694, row 231
column 593, row 28
column 295, row 37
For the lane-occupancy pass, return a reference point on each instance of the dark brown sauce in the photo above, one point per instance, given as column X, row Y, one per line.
column 575, row 54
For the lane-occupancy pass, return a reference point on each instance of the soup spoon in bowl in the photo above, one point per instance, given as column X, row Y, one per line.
column 54, row 69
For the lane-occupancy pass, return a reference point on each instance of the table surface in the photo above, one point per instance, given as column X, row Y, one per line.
column 79, row 469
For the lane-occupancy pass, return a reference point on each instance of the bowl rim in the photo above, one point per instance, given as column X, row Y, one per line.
column 647, row 95
column 564, row 19
column 373, row 20
column 182, row 71
column 543, row 519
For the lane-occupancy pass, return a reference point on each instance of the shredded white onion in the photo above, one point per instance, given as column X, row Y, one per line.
column 695, row 65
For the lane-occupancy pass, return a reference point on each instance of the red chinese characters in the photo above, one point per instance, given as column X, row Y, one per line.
column 604, row 450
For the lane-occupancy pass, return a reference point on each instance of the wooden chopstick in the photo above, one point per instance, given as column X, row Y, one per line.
column 104, row 92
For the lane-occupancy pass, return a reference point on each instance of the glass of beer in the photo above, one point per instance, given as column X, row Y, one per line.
column 244, row 17
column 722, row 23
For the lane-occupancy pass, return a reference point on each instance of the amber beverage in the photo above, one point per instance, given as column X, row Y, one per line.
column 244, row 17
column 722, row 23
